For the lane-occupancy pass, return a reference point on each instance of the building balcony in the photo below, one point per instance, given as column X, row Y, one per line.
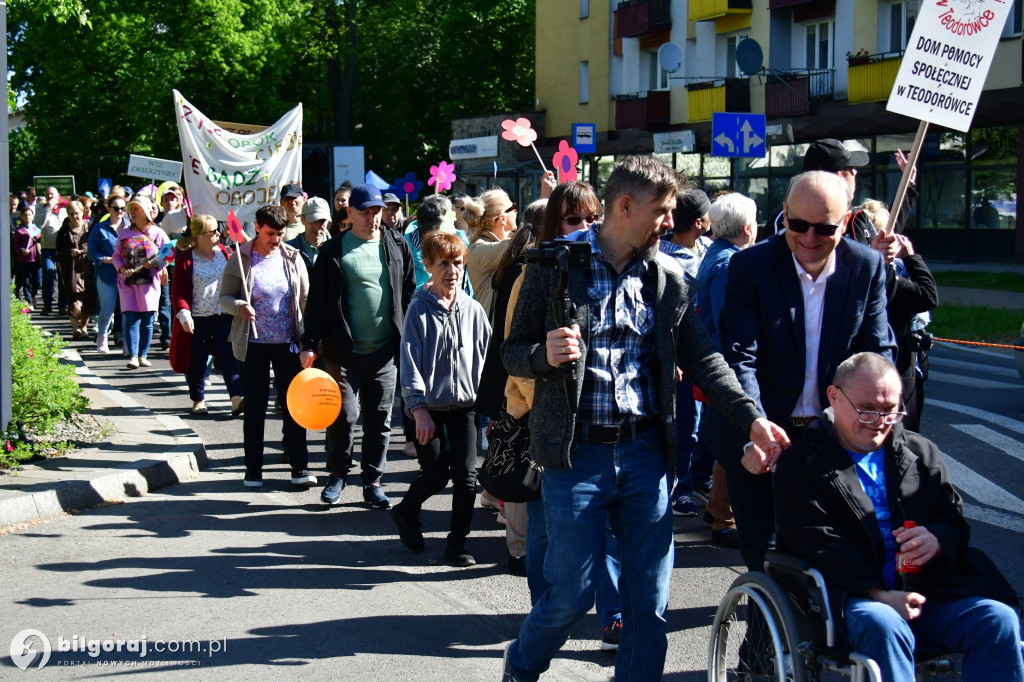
column 706, row 10
column 642, row 17
column 871, row 76
column 781, row 4
column 791, row 93
column 642, row 110
column 707, row 97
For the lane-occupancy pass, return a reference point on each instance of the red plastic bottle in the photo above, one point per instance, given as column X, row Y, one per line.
column 907, row 572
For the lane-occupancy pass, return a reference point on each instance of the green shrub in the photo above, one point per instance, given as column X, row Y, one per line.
column 43, row 390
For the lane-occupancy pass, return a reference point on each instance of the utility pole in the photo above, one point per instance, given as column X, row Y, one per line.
column 5, row 243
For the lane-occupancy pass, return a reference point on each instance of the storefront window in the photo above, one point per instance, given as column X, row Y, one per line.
column 942, row 197
column 690, row 165
column 994, row 198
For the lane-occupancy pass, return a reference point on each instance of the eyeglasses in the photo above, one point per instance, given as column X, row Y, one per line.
column 117, row 209
column 203, row 234
column 513, row 207
column 872, row 416
column 589, row 219
column 822, row 229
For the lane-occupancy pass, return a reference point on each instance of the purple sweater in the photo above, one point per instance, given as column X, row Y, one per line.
column 133, row 248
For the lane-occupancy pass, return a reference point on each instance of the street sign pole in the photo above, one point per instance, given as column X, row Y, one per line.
column 5, row 251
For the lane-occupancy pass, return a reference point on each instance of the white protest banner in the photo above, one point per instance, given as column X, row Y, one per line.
column 153, row 169
column 225, row 171
column 947, row 58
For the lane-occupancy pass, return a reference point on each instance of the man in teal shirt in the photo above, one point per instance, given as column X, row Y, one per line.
column 361, row 284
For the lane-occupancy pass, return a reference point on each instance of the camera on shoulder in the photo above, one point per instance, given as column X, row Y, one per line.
column 560, row 254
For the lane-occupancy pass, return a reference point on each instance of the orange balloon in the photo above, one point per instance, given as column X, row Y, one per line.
column 314, row 399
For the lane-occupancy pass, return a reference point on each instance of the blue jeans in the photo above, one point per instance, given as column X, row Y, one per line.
column 609, row 607
column 627, row 484
column 139, row 331
column 986, row 632
column 26, row 279
column 163, row 315
column 107, row 293
column 50, row 278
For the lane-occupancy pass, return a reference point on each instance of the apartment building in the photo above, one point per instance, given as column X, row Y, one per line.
column 828, row 67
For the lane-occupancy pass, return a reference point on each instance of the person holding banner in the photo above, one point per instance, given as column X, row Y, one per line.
column 138, row 285
column 264, row 287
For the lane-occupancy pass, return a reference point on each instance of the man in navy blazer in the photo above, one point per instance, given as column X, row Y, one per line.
column 796, row 305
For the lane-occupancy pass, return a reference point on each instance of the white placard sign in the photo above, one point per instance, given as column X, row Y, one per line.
column 154, row 169
column 349, row 164
column 473, row 148
column 678, row 141
column 225, row 171
column 947, row 58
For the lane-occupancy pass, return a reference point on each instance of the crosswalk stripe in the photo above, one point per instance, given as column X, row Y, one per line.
column 1011, row 447
column 967, row 411
column 975, row 368
column 981, row 489
column 970, row 382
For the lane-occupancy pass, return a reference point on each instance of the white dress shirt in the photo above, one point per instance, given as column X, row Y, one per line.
column 813, row 291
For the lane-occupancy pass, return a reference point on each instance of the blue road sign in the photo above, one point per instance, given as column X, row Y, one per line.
column 584, row 138
column 734, row 134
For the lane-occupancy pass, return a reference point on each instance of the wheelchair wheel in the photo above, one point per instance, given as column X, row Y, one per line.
column 754, row 636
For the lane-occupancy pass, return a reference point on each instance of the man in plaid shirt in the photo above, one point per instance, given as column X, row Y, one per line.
column 607, row 440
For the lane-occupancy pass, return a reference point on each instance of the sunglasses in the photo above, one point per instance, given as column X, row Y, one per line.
column 117, row 209
column 589, row 219
column 513, row 207
column 822, row 229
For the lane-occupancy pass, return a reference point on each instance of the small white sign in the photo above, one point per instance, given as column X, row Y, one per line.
column 473, row 148
column 678, row 141
column 947, row 58
column 154, row 169
column 349, row 164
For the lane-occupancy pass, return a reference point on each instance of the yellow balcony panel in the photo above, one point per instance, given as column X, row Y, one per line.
column 733, row 22
column 872, row 81
column 704, row 101
column 705, row 10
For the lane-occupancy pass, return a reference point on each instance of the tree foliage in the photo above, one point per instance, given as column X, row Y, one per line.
column 388, row 76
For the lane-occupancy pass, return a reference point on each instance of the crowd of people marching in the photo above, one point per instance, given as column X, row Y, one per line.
column 442, row 311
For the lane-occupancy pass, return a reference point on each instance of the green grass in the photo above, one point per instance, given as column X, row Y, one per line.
column 976, row 323
column 999, row 281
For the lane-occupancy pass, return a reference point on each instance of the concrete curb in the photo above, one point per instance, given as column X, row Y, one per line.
column 146, row 452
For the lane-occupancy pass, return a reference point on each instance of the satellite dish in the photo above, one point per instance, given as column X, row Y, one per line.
column 670, row 57
column 749, row 56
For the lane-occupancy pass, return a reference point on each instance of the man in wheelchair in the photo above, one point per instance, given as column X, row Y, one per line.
column 842, row 494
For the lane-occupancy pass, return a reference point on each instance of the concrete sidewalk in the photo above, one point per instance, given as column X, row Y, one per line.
column 143, row 452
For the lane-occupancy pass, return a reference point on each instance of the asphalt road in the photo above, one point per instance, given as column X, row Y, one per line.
column 279, row 580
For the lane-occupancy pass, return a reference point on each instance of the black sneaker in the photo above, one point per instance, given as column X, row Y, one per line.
column 375, row 497
column 610, row 635
column 253, row 479
column 727, row 537
column 702, row 490
column 458, row 556
column 303, row 478
column 332, row 492
column 408, row 530
column 517, row 565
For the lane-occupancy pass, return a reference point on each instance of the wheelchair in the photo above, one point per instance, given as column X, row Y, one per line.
column 778, row 626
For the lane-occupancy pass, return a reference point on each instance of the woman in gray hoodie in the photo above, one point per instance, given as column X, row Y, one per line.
column 443, row 347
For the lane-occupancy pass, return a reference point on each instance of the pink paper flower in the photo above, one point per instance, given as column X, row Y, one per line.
column 442, row 176
column 31, row 353
column 519, row 131
column 10, row 448
column 25, row 311
column 564, row 161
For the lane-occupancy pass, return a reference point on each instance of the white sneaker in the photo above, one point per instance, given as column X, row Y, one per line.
column 101, row 345
column 133, row 362
column 409, row 450
column 144, row 361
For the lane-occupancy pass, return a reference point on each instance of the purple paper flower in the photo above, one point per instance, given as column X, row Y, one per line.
column 407, row 186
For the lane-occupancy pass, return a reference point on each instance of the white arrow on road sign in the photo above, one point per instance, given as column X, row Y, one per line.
column 750, row 139
column 725, row 141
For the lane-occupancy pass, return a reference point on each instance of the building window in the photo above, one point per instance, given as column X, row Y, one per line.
column 902, row 16
column 584, row 9
column 584, row 82
column 657, row 77
column 731, row 69
column 1013, row 21
column 818, row 45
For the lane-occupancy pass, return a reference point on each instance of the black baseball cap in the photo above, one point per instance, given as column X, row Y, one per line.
column 291, row 190
column 830, row 155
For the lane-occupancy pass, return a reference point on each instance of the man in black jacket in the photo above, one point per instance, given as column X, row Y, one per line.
column 362, row 283
column 842, row 496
